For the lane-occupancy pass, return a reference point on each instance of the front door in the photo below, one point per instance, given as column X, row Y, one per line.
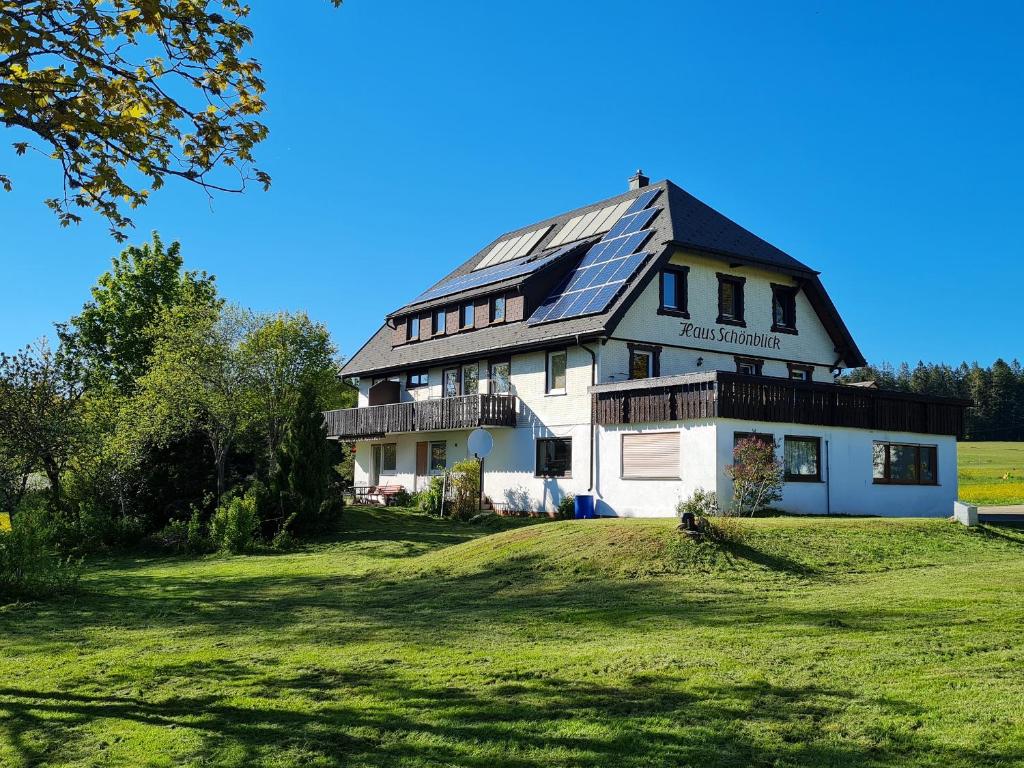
column 375, row 464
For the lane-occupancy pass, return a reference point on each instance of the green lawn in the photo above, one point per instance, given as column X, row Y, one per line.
column 413, row 642
column 992, row 473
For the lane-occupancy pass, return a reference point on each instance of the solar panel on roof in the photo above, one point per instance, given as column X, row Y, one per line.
column 489, row 275
column 513, row 248
column 644, row 200
column 605, row 269
column 589, row 224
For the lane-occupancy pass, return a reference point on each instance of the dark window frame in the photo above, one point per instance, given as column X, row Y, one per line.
column 462, row 377
column 654, row 351
column 757, row 362
column 737, row 318
column 430, row 457
column 444, row 382
column 790, row 478
column 469, row 305
column 409, row 336
column 490, row 375
column 808, row 369
column 418, row 372
column 493, row 304
column 918, row 448
column 548, row 390
column 682, row 296
column 790, row 292
column 443, row 313
column 537, row 457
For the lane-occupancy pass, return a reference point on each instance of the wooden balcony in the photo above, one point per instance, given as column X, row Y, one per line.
column 761, row 398
column 465, row 412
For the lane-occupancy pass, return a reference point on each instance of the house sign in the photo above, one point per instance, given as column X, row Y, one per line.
column 729, row 336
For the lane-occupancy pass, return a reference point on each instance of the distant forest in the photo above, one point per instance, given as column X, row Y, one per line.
column 997, row 392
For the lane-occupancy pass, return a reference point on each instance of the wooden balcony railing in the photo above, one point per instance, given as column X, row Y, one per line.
column 465, row 412
column 762, row 398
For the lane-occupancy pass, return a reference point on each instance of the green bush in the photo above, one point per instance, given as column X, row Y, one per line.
column 331, row 510
column 30, row 565
column 566, row 507
column 429, row 499
column 701, row 504
column 465, row 495
column 183, row 536
column 235, row 524
column 402, row 499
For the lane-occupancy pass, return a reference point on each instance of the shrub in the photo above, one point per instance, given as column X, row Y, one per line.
column 30, row 566
column 183, row 536
column 429, row 499
column 465, row 495
column 566, row 507
column 402, row 499
column 331, row 510
column 700, row 504
column 234, row 525
column 756, row 476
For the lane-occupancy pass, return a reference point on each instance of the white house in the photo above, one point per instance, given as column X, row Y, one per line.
column 620, row 350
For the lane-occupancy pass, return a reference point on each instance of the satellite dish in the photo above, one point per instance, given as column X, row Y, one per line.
column 480, row 443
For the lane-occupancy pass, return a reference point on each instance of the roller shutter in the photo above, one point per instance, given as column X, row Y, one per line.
column 650, row 456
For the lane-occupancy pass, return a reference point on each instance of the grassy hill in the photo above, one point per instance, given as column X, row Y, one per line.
column 991, row 473
column 412, row 642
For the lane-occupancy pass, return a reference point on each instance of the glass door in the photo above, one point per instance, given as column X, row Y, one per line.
column 375, row 455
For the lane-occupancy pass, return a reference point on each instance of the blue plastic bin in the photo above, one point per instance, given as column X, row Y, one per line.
column 583, row 506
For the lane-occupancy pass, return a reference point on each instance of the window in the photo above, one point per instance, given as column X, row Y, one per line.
column 501, row 377
column 650, row 456
column 802, row 456
column 451, row 382
column 673, row 291
column 415, row 379
column 903, row 464
column 467, row 315
column 643, row 361
column 783, row 309
column 730, row 299
column 471, row 379
column 388, row 458
column 498, row 309
column 438, row 457
column 414, row 328
column 801, row 372
column 556, row 373
column 554, row 457
column 440, row 321
column 751, row 366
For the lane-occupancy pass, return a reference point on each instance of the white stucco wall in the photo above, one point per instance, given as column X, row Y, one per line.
column 706, row 450
column 851, row 490
column 641, row 323
column 653, row 498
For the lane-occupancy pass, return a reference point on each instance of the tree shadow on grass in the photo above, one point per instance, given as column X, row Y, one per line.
column 380, row 718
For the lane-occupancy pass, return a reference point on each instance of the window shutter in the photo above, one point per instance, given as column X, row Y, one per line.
column 650, row 456
column 421, row 458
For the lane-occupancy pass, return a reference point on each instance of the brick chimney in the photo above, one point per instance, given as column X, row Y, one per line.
column 638, row 180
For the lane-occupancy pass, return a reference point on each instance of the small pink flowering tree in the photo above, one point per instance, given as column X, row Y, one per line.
column 756, row 476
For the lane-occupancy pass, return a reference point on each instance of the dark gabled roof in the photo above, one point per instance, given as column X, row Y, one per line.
column 684, row 221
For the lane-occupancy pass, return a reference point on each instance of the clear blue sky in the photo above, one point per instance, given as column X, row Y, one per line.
column 881, row 143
